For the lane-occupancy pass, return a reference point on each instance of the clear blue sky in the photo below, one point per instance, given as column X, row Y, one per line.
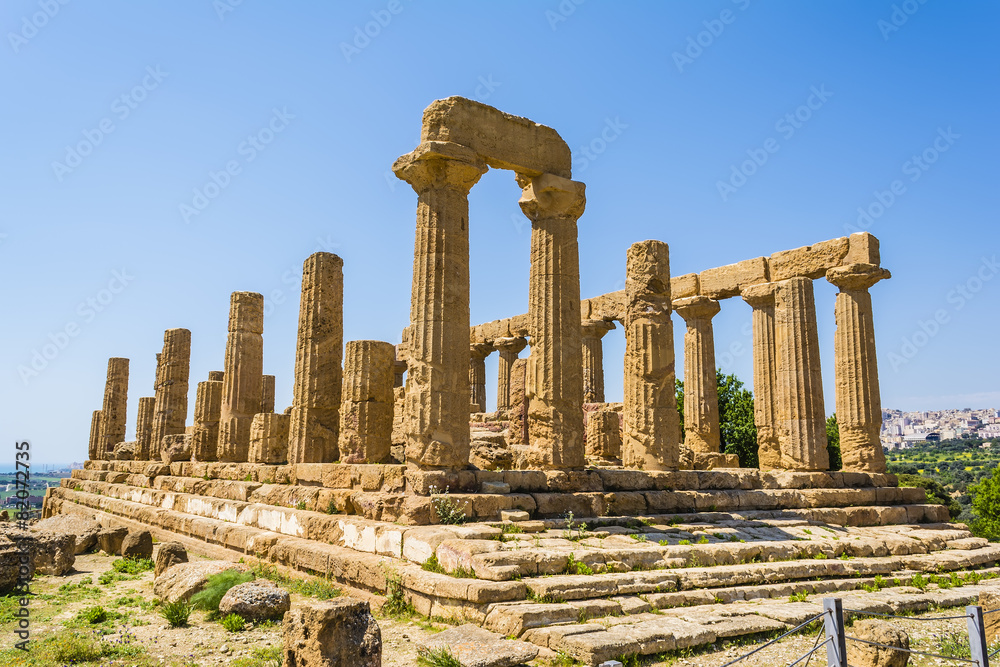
column 199, row 79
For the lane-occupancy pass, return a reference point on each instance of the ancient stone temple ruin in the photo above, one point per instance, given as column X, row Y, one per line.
column 387, row 456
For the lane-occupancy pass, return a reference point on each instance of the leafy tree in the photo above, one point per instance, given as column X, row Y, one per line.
column 936, row 493
column 986, row 506
column 833, row 442
column 737, row 432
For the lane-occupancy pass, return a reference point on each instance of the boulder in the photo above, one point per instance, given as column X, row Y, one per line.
column 10, row 565
column 183, row 580
column 124, row 451
column 866, row 655
column 109, row 540
column 259, row 600
column 138, row 544
column 83, row 529
column 475, row 647
column 332, row 633
column 51, row 553
column 176, row 448
column 488, row 455
column 169, row 553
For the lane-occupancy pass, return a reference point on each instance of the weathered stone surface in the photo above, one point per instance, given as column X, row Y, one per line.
column 490, row 455
column 651, row 431
column 267, row 393
column 183, row 580
column 368, row 402
column 52, row 553
column 242, row 386
column 882, row 632
column 11, row 574
column 269, row 438
column 808, row 261
column 335, row 633
column 508, row 349
column 168, row 554
column 554, row 390
column 761, row 299
column 315, row 425
column 517, row 412
column 207, row 411
column 137, row 544
column 604, row 435
column 109, row 540
column 701, row 396
column 475, row 647
column 726, row 281
column 94, row 452
column 84, row 530
column 172, row 374
column 593, row 359
column 125, row 451
column 477, row 375
column 176, row 448
column 863, row 248
column 258, row 600
column 144, row 428
column 114, row 408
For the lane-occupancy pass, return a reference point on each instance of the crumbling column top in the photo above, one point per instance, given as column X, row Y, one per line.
column 761, row 294
column 514, row 345
column 696, row 307
column 857, row 276
column 551, row 196
column 481, row 350
column 440, row 164
column 596, row 328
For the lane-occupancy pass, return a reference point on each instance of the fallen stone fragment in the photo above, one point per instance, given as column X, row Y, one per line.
column 475, row 647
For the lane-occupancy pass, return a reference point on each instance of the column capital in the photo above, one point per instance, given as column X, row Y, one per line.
column 596, row 328
column 551, row 196
column 760, row 295
column 440, row 164
column 480, row 350
column 512, row 345
column 856, row 276
column 696, row 307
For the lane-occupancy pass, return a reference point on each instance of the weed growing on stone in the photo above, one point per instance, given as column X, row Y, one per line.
column 217, row 586
column 801, row 596
column 233, row 623
column 396, row 603
column 132, row 565
column 432, row 565
column 448, row 510
column 320, row 589
column 441, row 657
column 177, row 613
column 574, row 566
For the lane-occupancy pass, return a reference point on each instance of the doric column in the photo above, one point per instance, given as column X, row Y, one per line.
column 477, row 376
column 269, row 438
column 592, row 331
column 216, row 376
column 650, row 421
column 701, row 390
column 144, row 427
column 508, row 349
column 115, row 405
column 604, row 435
column 761, row 299
column 173, row 368
column 517, row 411
column 437, row 392
column 799, row 412
column 242, row 384
column 207, row 410
column 858, row 402
column 366, row 413
column 267, row 394
column 315, row 418
column 94, row 452
column 555, row 366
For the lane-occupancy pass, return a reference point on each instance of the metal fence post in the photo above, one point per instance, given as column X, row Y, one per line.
column 977, row 636
column 833, row 621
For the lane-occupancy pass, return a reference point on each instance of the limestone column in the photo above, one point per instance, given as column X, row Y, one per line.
column 761, row 299
column 508, row 349
column 799, row 412
column 173, row 368
column 517, row 411
column 701, row 391
column 315, row 423
column 94, row 452
column 604, row 438
column 216, row 376
column 267, row 394
column 477, row 376
column 858, row 402
column 207, row 410
column 593, row 359
column 366, row 412
column 243, row 380
column 437, row 392
column 555, row 366
column 650, row 420
column 144, row 427
column 115, row 405
column 269, row 438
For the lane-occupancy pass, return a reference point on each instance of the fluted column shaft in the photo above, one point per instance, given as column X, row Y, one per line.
column 366, row 412
column 593, row 359
column 799, row 411
column 207, row 412
column 508, row 349
column 477, row 376
column 761, row 299
column 144, row 427
column 437, row 392
column 114, row 408
column 314, row 426
column 858, row 401
column 555, row 366
column 242, row 386
column 173, row 370
column 94, row 452
column 701, row 390
column 650, row 420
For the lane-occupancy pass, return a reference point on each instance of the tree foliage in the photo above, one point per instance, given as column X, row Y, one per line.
column 833, row 442
column 986, row 506
column 737, row 432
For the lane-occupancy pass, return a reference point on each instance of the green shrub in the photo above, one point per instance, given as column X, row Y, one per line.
column 269, row 656
column 573, row 566
column 93, row 615
column 176, row 613
column 75, row 647
column 396, row 603
column 448, row 510
column 133, row 565
column 432, row 565
column 441, row 657
column 233, row 622
column 208, row 598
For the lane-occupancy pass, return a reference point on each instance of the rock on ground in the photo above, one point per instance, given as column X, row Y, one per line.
column 259, row 600
column 10, row 565
column 176, row 448
column 476, row 647
column 138, row 544
column 183, row 580
column 169, row 553
column 332, row 633
column 865, row 655
column 85, row 530
column 109, row 540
